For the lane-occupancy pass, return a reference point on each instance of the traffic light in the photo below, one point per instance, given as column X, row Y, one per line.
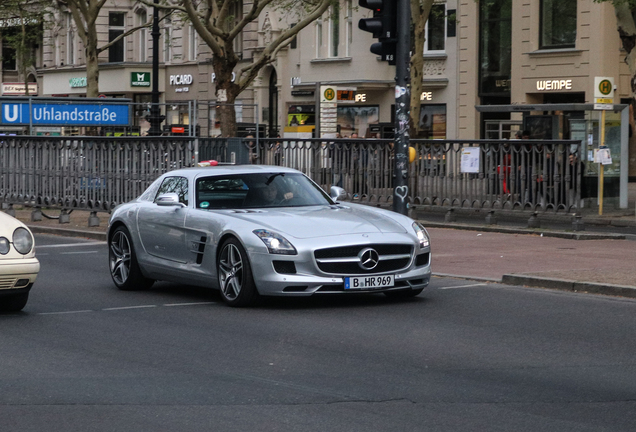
column 383, row 25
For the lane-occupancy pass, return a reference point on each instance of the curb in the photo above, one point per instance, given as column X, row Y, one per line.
column 503, row 230
column 93, row 235
column 568, row 285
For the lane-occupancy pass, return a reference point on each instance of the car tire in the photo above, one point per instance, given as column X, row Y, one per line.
column 122, row 261
column 14, row 303
column 236, row 282
column 403, row 294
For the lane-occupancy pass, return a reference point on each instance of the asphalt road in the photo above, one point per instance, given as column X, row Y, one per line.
column 463, row 356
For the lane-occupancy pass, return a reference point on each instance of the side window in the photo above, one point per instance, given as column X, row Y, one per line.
column 151, row 192
column 178, row 185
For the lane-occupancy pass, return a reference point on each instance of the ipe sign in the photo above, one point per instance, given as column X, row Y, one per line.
column 65, row 114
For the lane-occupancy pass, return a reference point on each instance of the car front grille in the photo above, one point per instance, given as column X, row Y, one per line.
column 345, row 260
column 7, row 282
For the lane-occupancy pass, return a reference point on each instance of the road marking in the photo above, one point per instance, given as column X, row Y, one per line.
column 188, row 304
column 70, row 245
column 126, row 307
column 129, row 307
column 78, row 252
column 462, row 286
column 65, row 312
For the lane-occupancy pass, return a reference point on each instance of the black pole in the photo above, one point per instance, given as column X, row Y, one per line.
column 155, row 118
column 402, row 108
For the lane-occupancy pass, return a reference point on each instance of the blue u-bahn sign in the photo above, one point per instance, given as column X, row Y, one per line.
column 54, row 114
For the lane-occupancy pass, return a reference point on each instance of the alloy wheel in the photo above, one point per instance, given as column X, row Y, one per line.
column 120, row 257
column 231, row 271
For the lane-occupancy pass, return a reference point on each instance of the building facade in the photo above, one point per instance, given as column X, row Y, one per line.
column 478, row 55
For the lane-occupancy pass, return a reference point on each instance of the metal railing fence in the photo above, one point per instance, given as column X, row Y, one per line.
column 536, row 175
column 96, row 173
column 91, row 173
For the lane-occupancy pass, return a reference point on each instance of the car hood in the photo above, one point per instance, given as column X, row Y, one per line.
column 9, row 223
column 321, row 221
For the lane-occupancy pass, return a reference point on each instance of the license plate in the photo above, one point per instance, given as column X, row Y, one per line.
column 369, row 282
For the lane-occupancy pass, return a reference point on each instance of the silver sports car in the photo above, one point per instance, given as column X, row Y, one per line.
column 263, row 230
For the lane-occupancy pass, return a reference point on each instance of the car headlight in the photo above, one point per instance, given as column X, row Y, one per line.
column 4, row 246
column 276, row 243
column 422, row 235
column 22, row 240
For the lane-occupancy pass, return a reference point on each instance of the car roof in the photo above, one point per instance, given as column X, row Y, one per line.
column 221, row 170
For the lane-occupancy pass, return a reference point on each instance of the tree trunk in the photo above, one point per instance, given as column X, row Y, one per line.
column 225, row 89
column 420, row 11
column 92, row 65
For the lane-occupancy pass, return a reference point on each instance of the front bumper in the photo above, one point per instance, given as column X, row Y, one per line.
column 308, row 279
column 18, row 273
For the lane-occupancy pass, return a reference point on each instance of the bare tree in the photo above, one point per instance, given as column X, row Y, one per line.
column 218, row 27
column 85, row 14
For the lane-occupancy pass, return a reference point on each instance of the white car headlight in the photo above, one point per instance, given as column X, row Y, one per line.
column 22, row 240
column 276, row 243
column 4, row 246
column 422, row 235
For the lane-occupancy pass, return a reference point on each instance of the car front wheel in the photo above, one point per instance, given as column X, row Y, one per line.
column 235, row 275
column 124, row 268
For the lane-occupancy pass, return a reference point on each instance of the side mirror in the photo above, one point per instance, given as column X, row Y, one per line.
column 169, row 200
column 337, row 193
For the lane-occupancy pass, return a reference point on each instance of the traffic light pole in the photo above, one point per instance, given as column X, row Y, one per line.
column 402, row 108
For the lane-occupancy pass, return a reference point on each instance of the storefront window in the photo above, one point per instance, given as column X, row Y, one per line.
column 356, row 119
column 495, row 45
column 433, row 121
column 558, row 23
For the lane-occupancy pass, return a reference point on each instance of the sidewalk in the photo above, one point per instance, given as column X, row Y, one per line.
column 600, row 261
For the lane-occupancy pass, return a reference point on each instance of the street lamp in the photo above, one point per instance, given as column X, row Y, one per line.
column 155, row 118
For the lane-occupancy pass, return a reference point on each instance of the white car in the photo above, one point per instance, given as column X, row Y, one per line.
column 18, row 265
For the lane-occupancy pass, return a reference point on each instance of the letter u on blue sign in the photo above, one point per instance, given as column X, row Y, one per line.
column 14, row 113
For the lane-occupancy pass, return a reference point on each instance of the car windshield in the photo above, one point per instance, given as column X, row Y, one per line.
column 262, row 190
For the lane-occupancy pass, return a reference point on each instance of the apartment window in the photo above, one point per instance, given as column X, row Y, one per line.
column 8, row 51
column 348, row 26
column 116, row 27
column 294, row 42
column 558, row 24
column 495, row 47
column 70, row 40
column 236, row 10
column 192, row 43
column 142, row 18
column 436, row 30
column 167, row 41
column 319, row 38
column 334, row 27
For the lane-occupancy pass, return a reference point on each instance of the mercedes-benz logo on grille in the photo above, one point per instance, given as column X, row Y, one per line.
column 368, row 258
